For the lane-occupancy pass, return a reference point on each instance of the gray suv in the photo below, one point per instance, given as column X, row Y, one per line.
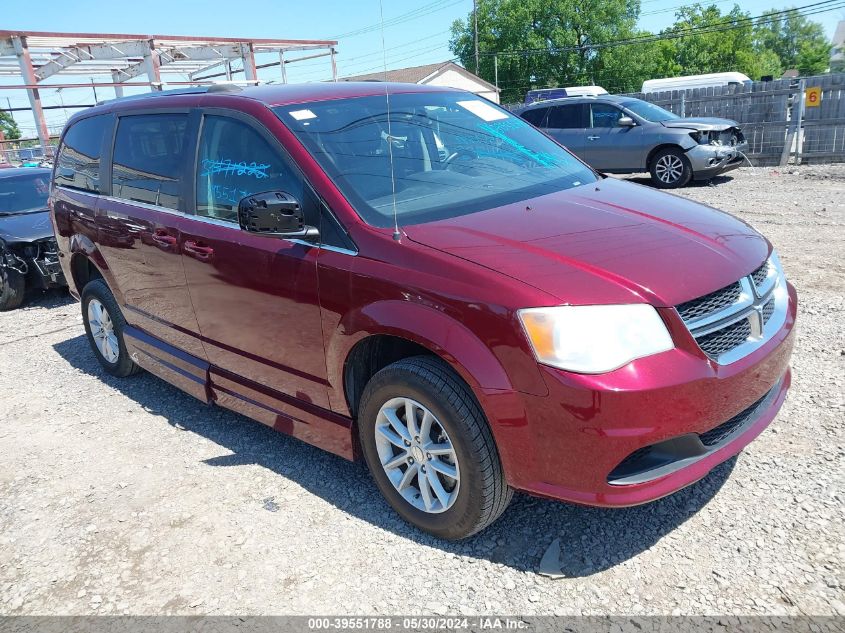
column 623, row 135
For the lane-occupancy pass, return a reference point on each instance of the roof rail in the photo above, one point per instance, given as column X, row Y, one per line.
column 194, row 90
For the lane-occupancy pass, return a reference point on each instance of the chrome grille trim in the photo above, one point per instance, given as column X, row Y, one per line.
column 729, row 333
column 765, row 278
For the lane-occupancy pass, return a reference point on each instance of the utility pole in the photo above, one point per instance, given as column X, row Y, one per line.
column 496, row 72
column 475, row 29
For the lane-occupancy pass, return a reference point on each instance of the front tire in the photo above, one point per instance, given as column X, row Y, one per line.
column 430, row 450
column 104, row 325
column 12, row 287
column 670, row 168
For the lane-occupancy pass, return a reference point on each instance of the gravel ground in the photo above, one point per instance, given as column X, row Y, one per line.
column 127, row 496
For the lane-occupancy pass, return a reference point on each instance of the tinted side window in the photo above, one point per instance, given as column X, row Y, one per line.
column 234, row 162
column 565, row 117
column 78, row 163
column 605, row 115
column 149, row 154
column 536, row 116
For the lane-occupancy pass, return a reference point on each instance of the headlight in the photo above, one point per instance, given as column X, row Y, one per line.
column 594, row 339
column 702, row 138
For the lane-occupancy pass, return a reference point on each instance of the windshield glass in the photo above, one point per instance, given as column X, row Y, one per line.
column 24, row 194
column 649, row 111
column 452, row 153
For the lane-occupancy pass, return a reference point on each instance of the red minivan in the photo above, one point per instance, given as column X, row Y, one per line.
column 415, row 277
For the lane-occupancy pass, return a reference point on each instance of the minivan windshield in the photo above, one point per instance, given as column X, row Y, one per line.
column 24, row 194
column 440, row 154
column 649, row 111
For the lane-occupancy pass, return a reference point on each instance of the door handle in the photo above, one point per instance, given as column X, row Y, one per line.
column 593, row 138
column 198, row 251
column 163, row 240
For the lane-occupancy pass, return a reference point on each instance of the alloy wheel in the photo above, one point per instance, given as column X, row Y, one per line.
column 102, row 330
column 417, row 455
column 669, row 168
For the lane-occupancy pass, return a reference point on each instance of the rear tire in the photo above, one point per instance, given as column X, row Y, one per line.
column 12, row 287
column 104, row 325
column 670, row 168
column 458, row 442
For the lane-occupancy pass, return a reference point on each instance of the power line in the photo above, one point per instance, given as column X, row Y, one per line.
column 419, row 12
column 416, row 54
column 375, row 53
column 682, row 6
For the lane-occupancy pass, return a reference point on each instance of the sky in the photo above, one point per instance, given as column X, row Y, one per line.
column 416, row 32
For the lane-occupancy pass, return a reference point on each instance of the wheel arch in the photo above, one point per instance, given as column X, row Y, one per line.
column 83, row 270
column 87, row 263
column 659, row 148
column 379, row 334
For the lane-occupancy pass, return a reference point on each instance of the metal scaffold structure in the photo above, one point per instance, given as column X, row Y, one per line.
column 36, row 57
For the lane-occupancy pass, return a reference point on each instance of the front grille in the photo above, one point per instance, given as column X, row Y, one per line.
column 736, row 315
column 710, row 303
column 760, row 274
column 726, row 339
column 768, row 311
column 716, row 435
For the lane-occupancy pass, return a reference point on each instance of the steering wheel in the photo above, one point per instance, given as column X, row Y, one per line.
column 461, row 152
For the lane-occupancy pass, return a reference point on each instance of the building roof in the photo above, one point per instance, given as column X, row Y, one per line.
column 839, row 35
column 123, row 53
column 838, row 42
column 416, row 74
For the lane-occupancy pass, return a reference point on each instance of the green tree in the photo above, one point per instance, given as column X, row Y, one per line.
column 623, row 69
column 787, row 35
column 727, row 46
column 544, row 27
column 813, row 57
column 759, row 64
column 9, row 126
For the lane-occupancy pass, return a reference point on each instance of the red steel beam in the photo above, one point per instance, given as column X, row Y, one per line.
column 187, row 38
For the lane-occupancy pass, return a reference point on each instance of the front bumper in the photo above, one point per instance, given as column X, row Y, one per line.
column 46, row 273
column 569, row 445
column 708, row 161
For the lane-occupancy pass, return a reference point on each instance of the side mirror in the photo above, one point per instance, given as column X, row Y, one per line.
column 626, row 121
column 275, row 214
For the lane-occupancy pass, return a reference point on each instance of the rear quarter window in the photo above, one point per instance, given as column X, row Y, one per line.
column 535, row 117
column 566, row 117
column 150, row 154
column 78, row 162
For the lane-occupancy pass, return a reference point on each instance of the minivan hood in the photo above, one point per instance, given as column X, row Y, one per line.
column 608, row 242
column 701, row 123
column 25, row 227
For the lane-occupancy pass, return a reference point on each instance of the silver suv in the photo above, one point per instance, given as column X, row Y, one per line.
column 623, row 135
